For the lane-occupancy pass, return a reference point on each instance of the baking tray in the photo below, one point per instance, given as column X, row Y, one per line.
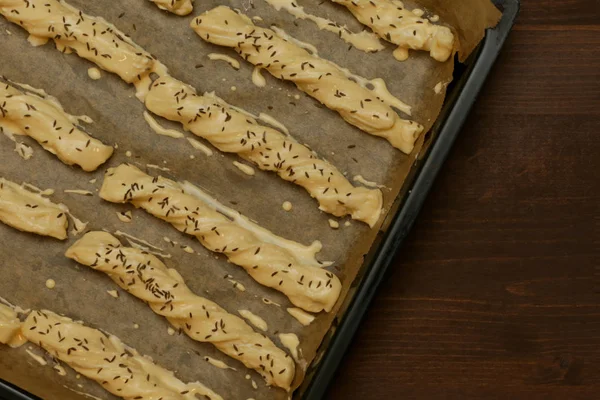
column 461, row 95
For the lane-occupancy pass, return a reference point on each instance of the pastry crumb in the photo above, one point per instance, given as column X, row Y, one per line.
column 124, row 216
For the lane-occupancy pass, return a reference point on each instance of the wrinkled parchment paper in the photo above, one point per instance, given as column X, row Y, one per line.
column 27, row 261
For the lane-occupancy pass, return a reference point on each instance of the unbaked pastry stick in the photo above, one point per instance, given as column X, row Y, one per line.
column 47, row 123
column 105, row 359
column 10, row 327
column 315, row 76
column 179, row 7
column 31, row 212
column 90, row 37
column 233, row 131
column 270, row 264
column 164, row 290
column 394, row 23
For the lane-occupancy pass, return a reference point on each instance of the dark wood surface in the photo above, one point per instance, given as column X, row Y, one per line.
column 496, row 293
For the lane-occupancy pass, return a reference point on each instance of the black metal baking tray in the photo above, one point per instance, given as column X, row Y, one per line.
column 461, row 95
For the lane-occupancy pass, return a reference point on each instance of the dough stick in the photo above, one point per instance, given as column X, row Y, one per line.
column 147, row 278
column 179, row 7
column 105, row 359
column 298, row 163
column 270, row 264
column 10, row 327
column 317, row 77
column 31, row 212
column 394, row 23
column 90, row 37
column 48, row 124
column 232, row 131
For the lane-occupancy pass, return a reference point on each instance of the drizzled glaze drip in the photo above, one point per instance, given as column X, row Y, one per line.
column 315, row 76
column 147, row 278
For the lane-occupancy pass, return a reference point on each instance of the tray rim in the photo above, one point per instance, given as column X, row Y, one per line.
column 408, row 207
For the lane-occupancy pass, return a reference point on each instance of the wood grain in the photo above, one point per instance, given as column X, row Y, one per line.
column 496, row 293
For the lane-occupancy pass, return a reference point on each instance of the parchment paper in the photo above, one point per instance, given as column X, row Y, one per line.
column 28, row 260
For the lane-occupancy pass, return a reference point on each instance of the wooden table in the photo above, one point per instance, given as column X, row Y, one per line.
column 496, row 293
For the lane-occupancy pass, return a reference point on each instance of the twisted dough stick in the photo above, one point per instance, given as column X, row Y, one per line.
column 315, row 76
column 90, row 37
column 179, row 7
column 232, row 131
column 10, row 327
column 269, row 263
column 50, row 126
column 31, row 212
column 148, row 279
column 106, row 360
column 394, row 23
